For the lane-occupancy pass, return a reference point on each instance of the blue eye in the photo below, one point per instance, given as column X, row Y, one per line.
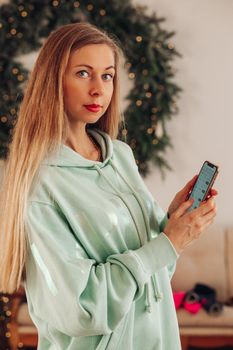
column 110, row 75
column 82, row 71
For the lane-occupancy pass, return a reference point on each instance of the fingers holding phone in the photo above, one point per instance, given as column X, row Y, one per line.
column 194, row 215
column 185, row 226
column 182, row 195
column 212, row 192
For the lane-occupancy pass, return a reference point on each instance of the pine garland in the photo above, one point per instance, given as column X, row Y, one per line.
column 148, row 50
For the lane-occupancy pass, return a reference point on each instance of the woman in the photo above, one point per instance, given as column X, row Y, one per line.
column 95, row 251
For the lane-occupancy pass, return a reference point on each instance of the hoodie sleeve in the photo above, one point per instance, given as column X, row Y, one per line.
column 62, row 280
column 162, row 220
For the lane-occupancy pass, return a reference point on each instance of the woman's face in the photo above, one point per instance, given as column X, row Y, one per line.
column 88, row 80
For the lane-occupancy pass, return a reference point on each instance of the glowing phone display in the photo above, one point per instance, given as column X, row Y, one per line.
column 204, row 182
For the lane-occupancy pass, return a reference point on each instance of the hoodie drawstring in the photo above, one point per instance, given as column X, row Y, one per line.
column 147, row 303
column 157, row 294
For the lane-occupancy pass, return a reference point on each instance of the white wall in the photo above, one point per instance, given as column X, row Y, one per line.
column 203, row 129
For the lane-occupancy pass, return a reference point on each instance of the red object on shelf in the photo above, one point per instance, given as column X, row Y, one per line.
column 193, row 308
column 178, row 298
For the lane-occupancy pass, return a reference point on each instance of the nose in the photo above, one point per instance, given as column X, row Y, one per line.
column 97, row 88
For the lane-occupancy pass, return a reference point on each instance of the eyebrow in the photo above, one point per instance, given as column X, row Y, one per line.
column 87, row 65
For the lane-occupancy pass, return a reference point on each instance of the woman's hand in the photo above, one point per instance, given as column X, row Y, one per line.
column 184, row 227
column 181, row 196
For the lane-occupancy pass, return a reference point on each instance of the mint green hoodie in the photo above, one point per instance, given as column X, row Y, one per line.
column 98, row 265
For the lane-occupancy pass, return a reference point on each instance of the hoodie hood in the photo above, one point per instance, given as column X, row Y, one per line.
column 67, row 157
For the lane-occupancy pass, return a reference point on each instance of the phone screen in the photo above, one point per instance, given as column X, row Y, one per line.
column 203, row 184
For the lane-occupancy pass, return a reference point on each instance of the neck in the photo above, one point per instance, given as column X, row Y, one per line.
column 79, row 140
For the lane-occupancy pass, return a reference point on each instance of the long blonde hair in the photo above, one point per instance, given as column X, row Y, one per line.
column 40, row 129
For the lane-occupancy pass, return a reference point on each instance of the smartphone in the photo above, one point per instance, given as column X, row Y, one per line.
column 203, row 184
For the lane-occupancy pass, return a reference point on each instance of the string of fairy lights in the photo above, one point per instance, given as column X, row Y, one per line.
column 5, row 317
column 148, row 49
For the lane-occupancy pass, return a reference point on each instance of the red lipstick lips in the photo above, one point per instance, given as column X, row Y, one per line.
column 93, row 107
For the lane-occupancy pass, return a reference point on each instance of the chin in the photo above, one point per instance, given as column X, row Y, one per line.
column 92, row 120
column 84, row 117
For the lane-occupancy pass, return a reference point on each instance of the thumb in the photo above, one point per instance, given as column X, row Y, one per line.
column 183, row 207
column 189, row 185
